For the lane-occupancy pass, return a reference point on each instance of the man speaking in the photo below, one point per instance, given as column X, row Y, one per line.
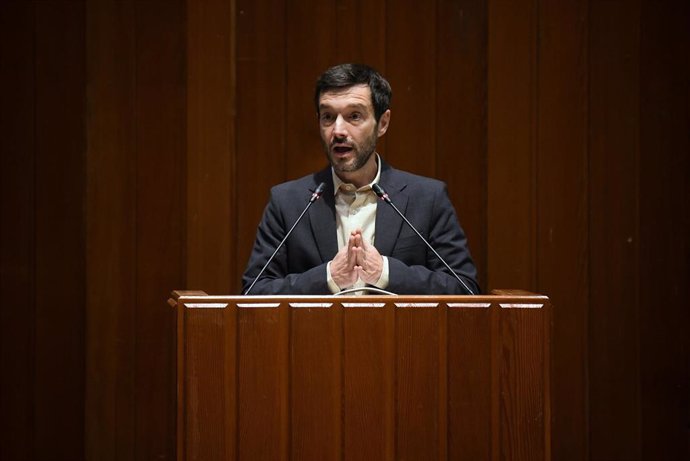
column 349, row 238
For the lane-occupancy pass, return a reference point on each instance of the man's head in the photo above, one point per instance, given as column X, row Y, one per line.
column 346, row 75
column 352, row 105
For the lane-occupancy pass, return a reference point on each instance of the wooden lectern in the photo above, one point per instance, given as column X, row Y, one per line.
column 363, row 377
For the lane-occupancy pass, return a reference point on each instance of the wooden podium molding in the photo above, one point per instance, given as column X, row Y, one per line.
column 363, row 377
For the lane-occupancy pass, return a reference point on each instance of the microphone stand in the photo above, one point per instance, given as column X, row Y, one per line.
column 314, row 197
column 378, row 190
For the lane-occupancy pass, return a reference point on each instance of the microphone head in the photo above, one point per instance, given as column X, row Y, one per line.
column 320, row 188
column 318, row 192
column 378, row 190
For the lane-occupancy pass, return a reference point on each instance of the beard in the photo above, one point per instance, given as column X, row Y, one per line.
column 361, row 153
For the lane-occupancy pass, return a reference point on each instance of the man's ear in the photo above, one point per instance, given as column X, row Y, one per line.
column 384, row 121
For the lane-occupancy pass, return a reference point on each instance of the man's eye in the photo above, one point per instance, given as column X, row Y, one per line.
column 326, row 118
column 356, row 116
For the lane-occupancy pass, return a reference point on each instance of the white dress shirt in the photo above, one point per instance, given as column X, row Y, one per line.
column 356, row 209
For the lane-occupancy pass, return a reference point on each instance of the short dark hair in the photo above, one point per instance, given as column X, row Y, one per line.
column 347, row 75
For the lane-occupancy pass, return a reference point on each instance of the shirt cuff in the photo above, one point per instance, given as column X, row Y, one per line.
column 382, row 282
column 331, row 284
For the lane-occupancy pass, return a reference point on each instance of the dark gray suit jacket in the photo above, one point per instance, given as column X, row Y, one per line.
column 300, row 266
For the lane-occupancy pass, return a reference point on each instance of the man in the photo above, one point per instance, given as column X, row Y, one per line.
column 349, row 238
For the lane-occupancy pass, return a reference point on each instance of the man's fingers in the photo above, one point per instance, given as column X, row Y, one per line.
column 358, row 255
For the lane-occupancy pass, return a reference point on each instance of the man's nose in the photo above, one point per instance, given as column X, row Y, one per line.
column 339, row 127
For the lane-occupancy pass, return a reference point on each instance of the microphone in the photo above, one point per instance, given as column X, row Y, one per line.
column 316, row 194
column 378, row 190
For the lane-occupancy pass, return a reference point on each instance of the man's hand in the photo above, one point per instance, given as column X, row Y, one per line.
column 368, row 260
column 357, row 260
column 343, row 269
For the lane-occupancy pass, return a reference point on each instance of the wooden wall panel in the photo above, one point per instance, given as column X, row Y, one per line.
column 510, row 156
column 135, row 155
column 60, row 230
column 360, row 33
column 562, row 209
column 310, row 44
column 17, row 224
column 261, row 117
column 614, row 240
column 411, row 70
column 41, row 254
column 664, row 230
column 160, row 158
column 360, row 37
column 211, row 237
column 111, row 231
column 461, row 124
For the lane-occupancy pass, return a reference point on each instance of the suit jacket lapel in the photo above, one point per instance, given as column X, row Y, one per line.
column 388, row 223
column 322, row 217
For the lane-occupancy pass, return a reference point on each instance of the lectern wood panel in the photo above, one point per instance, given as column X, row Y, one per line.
column 470, row 382
column 315, row 382
column 368, row 377
column 418, row 413
column 385, row 378
column 263, row 382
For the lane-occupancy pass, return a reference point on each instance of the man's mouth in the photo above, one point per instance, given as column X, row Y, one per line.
column 341, row 149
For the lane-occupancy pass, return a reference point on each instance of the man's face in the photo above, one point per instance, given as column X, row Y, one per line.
column 348, row 127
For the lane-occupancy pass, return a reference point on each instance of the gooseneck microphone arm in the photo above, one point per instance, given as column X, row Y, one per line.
column 378, row 190
column 314, row 197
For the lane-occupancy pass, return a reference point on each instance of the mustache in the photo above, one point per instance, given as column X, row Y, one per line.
column 341, row 143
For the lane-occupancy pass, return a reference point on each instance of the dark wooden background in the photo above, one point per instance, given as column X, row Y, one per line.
column 139, row 140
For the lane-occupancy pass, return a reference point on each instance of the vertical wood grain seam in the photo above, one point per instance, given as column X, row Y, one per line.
column 34, row 228
column 637, row 220
column 179, row 383
column 396, row 403
column 135, row 305
column 546, row 402
column 443, row 401
column 494, row 451
column 535, row 47
column 229, row 379
column 233, row 144
column 287, row 331
column 390, row 404
column 589, row 227
column 238, row 357
column 484, row 273
column 587, row 216
column 183, row 207
column 286, row 72
column 340, row 359
column 434, row 94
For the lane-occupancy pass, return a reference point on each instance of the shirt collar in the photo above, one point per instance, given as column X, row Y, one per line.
column 338, row 183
